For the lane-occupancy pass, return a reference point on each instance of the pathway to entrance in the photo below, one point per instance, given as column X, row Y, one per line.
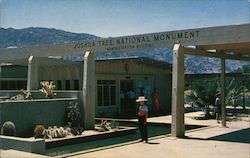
column 211, row 141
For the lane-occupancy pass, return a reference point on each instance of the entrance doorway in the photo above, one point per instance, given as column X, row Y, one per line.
column 127, row 97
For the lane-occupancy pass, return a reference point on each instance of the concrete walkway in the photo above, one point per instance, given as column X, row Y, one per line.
column 212, row 141
column 18, row 154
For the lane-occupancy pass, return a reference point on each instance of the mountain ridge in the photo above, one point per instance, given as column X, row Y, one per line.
column 11, row 37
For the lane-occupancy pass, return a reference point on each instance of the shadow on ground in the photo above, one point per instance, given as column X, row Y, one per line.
column 241, row 136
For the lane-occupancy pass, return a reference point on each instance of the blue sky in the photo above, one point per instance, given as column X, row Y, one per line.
column 110, row 18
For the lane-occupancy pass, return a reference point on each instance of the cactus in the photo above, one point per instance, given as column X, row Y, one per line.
column 77, row 130
column 24, row 95
column 48, row 88
column 39, row 131
column 57, row 132
column 8, row 129
column 105, row 125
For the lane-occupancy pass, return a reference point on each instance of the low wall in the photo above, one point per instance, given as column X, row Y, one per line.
column 106, row 111
column 29, row 113
column 121, row 131
column 39, row 95
column 23, row 144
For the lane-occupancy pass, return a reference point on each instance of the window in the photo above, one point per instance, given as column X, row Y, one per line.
column 4, row 85
column 76, row 85
column 21, row 84
column 13, row 84
column 59, row 84
column 106, row 92
column 67, row 84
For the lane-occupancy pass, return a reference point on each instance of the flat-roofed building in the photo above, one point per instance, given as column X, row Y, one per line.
column 115, row 79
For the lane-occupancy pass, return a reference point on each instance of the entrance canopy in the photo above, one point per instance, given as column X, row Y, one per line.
column 232, row 42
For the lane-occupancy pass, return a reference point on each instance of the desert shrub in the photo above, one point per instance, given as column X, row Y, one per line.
column 72, row 115
column 8, row 129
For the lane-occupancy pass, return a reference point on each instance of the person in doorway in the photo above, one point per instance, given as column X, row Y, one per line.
column 131, row 95
column 218, row 109
column 155, row 101
column 122, row 100
column 142, row 92
column 142, row 118
column 131, row 99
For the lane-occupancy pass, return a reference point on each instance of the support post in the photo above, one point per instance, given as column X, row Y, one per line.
column 89, row 90
column 223, row 93
column 178, row 126
column 243, row 101
column 32, row 78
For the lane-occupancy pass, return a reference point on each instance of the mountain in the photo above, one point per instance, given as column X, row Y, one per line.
column 38, row 36
column 193, row 64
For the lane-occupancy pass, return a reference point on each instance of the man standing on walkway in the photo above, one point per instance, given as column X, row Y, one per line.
column 218, row 108
column 142, row 118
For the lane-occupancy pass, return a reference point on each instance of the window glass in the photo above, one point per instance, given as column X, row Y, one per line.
column 12, row 85
column 76, row 85
column 99, row 95
column 67, row 84
column 59, row 85
column 21, row 84
column 4, row 84
column 106, row 92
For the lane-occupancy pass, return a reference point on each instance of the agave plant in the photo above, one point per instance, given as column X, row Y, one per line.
column 48, row 89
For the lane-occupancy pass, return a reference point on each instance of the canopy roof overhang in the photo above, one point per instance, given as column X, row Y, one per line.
column 231, row 42
column 234, row 51
column 56, row 61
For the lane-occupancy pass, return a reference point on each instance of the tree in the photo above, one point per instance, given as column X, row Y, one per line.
column 234, row 92
column 203, row 93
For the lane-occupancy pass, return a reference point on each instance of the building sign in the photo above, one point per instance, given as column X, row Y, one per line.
column 210, row 36
column 138, row 41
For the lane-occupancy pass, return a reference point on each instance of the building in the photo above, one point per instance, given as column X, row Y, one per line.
column 116, row 80
column 223, row 42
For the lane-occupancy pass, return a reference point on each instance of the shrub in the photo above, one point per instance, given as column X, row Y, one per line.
column 72, row 115
column 8, row 129
column 39, row 131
